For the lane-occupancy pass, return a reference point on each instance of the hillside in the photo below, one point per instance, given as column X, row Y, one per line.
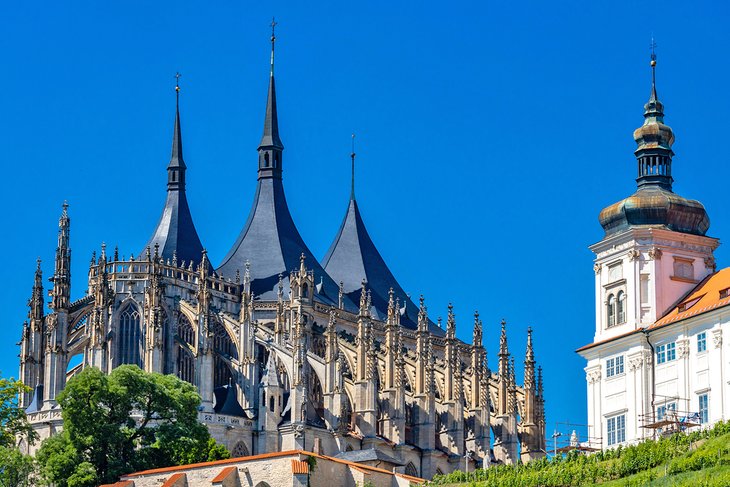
column 694, row 459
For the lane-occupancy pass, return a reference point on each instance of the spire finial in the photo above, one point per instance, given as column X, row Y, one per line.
column 273, row 40
column 352, row 158
column 652, row 63
column 177, row 85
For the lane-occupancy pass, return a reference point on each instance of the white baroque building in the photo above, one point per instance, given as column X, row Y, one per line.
column 657, row 363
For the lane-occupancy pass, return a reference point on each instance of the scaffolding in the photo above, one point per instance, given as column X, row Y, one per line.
column 666, row 419
column 574, row 437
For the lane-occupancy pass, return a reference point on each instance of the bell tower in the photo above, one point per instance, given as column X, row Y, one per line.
column 655, row 249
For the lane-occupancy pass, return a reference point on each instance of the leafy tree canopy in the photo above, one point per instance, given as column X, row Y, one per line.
column 16, row 469
column 122, row 422
column 13, row 423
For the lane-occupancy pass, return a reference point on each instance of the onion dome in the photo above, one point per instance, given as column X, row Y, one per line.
column 654, row 204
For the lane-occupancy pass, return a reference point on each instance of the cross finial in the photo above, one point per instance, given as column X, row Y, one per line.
column 273, row 40
column 652, row 46
column 352, row 158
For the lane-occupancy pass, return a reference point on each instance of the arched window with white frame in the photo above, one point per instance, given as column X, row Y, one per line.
column 620, row 308
column 611, row 310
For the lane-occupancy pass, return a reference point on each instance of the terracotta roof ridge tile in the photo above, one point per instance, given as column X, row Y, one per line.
column 172, row 481
column 223, row 475
column 216, row 462
column 299, row 467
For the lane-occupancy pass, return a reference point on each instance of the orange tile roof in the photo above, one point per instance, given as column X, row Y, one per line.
column 173, row 480
column 595, row 344
column 361, row 470
column 223, row 475
column 122, row 483
column 272, row 455
column 299, row 467
column 217, row 462
column 702, row 299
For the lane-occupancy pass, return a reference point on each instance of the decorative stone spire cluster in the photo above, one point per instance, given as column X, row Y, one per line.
column 61, row 294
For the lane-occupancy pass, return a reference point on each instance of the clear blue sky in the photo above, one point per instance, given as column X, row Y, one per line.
column 489, row 136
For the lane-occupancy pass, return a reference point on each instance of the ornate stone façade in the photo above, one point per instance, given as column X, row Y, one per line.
column 284, row 358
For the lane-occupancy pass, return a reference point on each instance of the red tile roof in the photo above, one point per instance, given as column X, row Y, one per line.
column 272, row 455
column 223, row 475
column 173, row 480
column 704, row 298
column 299, row 467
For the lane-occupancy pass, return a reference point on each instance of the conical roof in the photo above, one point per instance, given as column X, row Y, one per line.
column 270, row 241
column 353, row 257
column 175, row 233
column 272, row 245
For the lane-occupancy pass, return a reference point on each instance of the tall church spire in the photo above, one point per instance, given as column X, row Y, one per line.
column 270, row 148
column 176, row 168
column 270, row 239
column 175, row 235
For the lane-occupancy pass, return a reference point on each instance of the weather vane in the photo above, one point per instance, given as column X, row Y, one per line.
column 177, row 82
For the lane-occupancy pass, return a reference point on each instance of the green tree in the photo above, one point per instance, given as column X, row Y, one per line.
column 13, row 422
column 16, row 469
column 125, row 421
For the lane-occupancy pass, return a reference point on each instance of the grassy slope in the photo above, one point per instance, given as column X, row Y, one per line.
column 675, row 463
column 661, row 476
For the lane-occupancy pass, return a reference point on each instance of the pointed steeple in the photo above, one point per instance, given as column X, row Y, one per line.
column 269, row 238
column 175, row 237
column 270, row 148
column 353, row 257
column 176, row 168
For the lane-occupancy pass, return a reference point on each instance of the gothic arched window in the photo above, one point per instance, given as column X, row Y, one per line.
column 411, row 470
column 239, row 450
column 130, row 337
column 185, row 365
column 621, row 307
column 185, row 331
column 611, row 310
column 224, row 350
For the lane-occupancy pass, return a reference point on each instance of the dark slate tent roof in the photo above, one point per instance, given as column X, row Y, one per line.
column 270, row 241
column 353, row 257
column 226, row 402
column 175, row 232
